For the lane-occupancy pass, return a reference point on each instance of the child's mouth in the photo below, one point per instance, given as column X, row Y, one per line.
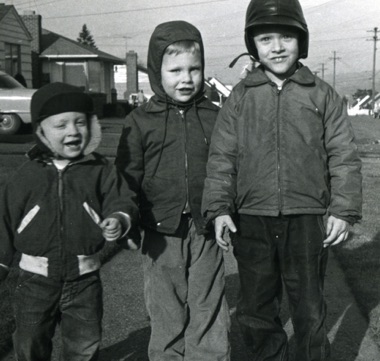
column 185, row 91
column 279, row 59
column 73, row 144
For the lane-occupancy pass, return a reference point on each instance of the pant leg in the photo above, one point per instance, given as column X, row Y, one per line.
column 303, row 265
column 165, row 260
column 258, row 307
column 36, row 313
column 207, row 335
column 82, row 309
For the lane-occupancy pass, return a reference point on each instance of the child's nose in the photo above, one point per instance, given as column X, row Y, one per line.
column 73, row 129
column 277, row 45
column 186, row 76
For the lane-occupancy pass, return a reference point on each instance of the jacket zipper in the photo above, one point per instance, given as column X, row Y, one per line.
column 278, row 93
column 60, row 220
column 182, row 112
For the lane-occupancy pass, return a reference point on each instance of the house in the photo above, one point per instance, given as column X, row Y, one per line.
column 57, row 58
column 363, row 106
column 216, row 91
column 68, row 61
column 15, row 44
column 131, row 81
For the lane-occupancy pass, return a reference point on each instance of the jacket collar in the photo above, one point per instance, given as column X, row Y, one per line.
column 35, row 153
column 156, row 105
column 302, row 76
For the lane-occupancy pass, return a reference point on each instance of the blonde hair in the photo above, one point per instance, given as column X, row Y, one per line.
column 183, row 46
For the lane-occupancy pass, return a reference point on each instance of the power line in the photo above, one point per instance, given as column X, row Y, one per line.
column 134, row 10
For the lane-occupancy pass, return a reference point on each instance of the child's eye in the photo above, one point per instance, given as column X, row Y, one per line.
column 265, row 39
column 288, row 37
column 82, row 122
column 60, row 126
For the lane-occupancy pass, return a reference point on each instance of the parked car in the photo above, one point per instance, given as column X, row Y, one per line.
column 14, row 104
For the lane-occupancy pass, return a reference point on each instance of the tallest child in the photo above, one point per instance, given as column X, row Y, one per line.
column 282, row 156
column 163, row 154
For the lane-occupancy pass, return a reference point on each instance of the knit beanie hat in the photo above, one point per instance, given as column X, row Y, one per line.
column 58, row 98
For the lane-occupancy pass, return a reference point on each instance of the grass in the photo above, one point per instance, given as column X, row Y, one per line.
column 358, row 257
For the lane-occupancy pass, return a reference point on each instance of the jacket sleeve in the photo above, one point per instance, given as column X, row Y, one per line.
column 130, row 155
column 117, row 195
column 6, row 243
column 220, row 185
column 344, row 163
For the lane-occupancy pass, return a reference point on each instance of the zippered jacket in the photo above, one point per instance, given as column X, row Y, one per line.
column 163, row 154
column 52, row 217
column 164, row 145
column 288, row 151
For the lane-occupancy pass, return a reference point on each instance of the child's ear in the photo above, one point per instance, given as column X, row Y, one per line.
column 41, row 135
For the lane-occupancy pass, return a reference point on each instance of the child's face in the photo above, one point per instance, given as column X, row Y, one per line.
column 278, row 50
column 67, row 133
column 181, row 75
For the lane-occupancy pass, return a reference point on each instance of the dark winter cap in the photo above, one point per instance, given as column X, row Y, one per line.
column 58, row 98
column 276, row 12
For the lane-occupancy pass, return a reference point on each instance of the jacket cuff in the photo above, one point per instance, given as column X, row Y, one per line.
column 211, row 215
column 125, row 221
column 350, row 219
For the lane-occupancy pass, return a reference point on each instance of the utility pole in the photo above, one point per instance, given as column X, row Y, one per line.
column 334, row 58
column 374, row 39
column 323, row 71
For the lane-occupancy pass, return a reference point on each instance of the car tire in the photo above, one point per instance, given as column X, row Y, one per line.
column 9, row 123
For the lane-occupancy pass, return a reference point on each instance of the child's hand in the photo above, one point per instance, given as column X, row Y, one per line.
column 223, row 225
column 337, row 231
column 111, row 229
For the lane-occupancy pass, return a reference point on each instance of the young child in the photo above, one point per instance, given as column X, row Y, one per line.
column 282, row 155
column 163, row 153
column 56, row 211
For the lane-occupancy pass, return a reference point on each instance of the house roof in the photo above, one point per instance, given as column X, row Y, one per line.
column 56, row 46
column 5, row 9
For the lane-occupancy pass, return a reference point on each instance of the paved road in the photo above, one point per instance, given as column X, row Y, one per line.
column 126, row 326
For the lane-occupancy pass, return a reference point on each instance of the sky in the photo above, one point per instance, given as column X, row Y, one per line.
column 340, row 28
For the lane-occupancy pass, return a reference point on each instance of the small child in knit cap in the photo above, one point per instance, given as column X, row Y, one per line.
column 57, row 211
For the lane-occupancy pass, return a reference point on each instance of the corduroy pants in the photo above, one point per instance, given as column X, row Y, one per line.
column 272, row 252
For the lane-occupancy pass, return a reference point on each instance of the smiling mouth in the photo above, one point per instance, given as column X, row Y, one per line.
column 73, row 144
column 279, row 59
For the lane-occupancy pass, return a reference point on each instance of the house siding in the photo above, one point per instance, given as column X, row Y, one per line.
column 11, row 32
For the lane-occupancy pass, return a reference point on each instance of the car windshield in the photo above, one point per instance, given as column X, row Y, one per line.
column 7, row 82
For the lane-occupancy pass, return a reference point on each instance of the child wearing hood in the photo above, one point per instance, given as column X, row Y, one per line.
column 57, row 211
column 282, row 156
column 162, row 153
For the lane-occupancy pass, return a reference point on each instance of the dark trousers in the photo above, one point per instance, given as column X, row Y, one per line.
column 276, row 251
column 41, row 303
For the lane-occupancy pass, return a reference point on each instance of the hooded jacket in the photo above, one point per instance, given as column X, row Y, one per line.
column 288, row 151
column 52, row 216
column 164, row 145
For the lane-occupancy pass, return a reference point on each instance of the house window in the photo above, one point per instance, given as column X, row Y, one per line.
column 12, row 59
column 67, row 72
